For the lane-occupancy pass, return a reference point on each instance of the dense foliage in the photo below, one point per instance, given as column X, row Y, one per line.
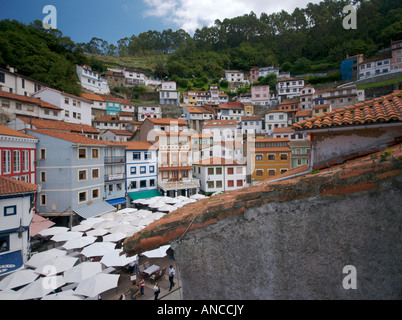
column 309, row 40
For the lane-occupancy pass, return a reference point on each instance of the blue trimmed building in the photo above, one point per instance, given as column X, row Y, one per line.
column 142, row 170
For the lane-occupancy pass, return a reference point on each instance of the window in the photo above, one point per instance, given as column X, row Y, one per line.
column 17, row 161
column 211, row 184
column 259, row 173
column 143, row 170
column 95, row 153
column 148, row 156
column 239, row 170
column 10, row 211
column 230, row 183
column 25, row 160
column 258, row 158
column 82, row 175
column 82, row 153
column 218, row 171
column 6, row 161
column 219, row 184
column 271, row 157
column 272, row 172
column 66, row 101
column 152, row 169
column 95, row 173
column 152, row 183
column 136, row 156
column 284, row 157
column 43, row 176
column 133, row 185
column 133, row 170
column 210, row 171
column 283, row 171
column 2, row 77
column 95, row 194
column 4, row 243
column 42, row 200
column 118, row 186
column 67, row 114
column 143, row 184
column 82, row 196
column 239, row 183
column 230, row 170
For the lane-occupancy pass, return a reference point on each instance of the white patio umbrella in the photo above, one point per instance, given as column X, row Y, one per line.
column 82, row 271
column 110, row 216
column 159, row 215
column 92, row 221
column 97, row 284
column 143, row 213
column 97, row 232
column 143, row 201
column 127, row 229
column 156, row 205
column 114, row 259
column 17, row 279
column 81, row 227
column 79, row 243
column 107, row 224
column 53, row 231
column 157, row 253
column 143, row 222
column 198, row 197
column 38, row 258
column 56, row 265
column 115, row 237
column 41, row 287
column 67, row 236
column 167, row 208
column 63, row 296
column 9, row 295
column 127, row 210
column 98, row 249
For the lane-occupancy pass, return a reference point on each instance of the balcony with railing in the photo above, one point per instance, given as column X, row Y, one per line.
column 111, row 160
column 115, row 177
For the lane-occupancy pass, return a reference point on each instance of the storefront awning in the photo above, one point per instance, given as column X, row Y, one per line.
column 94, row 209
column 10, row 262
column 144, row 194
column 116, row 202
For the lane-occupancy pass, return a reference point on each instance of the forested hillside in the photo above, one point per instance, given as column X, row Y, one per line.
column 308, row 40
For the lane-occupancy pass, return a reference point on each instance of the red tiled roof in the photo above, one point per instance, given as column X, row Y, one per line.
column 285, row 129
column 92, row 97
column 198, row 110
column 5, row 131
column 138, row 145
column 251, row 118
column 12, row 186
column 304, row 113
column 59, row 125
column 387, row 109
column 70, row 136
column 39, row 102
column 167, row 121
column 121, row 132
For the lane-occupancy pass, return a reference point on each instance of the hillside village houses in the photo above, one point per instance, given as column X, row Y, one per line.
column 98, row 153
column 91, row 80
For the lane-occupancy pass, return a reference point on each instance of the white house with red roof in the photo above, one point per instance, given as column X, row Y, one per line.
column 17, row 203
column 17, row 155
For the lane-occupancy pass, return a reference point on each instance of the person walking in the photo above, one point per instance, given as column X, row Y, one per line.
column 172, row 273
column 142, row 287
column 157, row 291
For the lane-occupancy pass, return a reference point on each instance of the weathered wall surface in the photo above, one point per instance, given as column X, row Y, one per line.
column 298, row 249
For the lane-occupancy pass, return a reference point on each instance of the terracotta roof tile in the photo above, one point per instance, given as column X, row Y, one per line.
column 167, row 121
column 5, row 131
column 92, row 97
column 70, row 136
column 59, row 125
column 10, row 186
column 38, row 102
column 138, row 145
column 381, row 110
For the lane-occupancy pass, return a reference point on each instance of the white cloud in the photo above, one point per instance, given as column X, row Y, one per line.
column 192, row 14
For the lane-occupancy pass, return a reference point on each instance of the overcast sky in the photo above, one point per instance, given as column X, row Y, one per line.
column 113, row 20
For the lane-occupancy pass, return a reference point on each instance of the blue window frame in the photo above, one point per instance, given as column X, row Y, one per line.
column 152, row 169
column 133, row 170
column 143, row 184
column 143, row 170
column 10, row 211
column 137, row 155
column 148, row 155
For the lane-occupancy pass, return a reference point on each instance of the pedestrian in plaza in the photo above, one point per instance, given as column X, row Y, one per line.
column 172, row 273
column 142, row 287
column 157, row 290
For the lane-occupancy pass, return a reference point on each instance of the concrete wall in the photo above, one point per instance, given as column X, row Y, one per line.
column 298, row 249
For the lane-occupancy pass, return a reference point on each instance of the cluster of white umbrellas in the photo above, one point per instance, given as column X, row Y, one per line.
column 60, row 267
column 168, row 204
